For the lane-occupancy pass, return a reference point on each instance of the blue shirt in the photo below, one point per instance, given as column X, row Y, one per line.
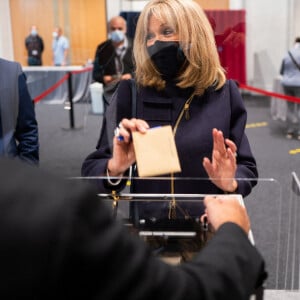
column 289, row 71
column 59, row 46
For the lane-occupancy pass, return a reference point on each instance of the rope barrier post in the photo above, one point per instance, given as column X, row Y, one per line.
column 70, row 106
column 69, row 76
column 70, row 93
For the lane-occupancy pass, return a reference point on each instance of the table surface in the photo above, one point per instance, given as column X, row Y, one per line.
column 54, row 68
column 281, row 295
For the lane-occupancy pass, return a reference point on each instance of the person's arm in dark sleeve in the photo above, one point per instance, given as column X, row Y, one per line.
column 42, row 45
column 103, row 261
column 104, row 63
column 97, row 70
column 281, row 72
column 229, row 262
column 60, row 241
column 95, row 164
column 26, row 44
column 27, row 128
column 103, row 53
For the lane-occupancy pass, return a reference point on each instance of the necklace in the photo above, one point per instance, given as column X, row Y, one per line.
column 186, row 113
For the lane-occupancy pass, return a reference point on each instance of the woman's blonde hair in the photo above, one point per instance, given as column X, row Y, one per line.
column 196, row 39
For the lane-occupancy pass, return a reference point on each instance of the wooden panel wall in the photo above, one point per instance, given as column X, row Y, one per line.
column 83, row 22
column 89, row 28
column 214, row 4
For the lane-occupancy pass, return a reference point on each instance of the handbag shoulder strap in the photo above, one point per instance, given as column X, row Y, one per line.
column 293, row 59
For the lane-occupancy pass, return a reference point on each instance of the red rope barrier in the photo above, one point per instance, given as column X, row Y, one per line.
column 267, row 93
column 241, row 86
column 57, row 84
column 51, row 89
column 87, row 69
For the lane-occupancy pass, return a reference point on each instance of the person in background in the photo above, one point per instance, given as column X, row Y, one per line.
column 18, row 125
column 181, row 83
column 60, row 48
column 290, row 71
column 35, row 46
column 58, row 241
column 113, row 58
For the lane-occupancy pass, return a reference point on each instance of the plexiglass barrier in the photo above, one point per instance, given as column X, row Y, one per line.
column 274, row 213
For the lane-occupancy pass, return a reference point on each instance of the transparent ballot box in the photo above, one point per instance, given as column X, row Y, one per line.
column 171, row 223
column 177, row 232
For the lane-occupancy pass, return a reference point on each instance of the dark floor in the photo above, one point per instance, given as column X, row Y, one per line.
column 270, row 205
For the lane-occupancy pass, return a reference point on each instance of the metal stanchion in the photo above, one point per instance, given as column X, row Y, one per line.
column 70, row 93
column 71, row 104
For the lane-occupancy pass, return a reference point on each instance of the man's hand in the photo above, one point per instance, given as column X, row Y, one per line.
column 224, row 209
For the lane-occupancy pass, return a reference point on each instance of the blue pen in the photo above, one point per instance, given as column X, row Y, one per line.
column 117, row 134
column 158, row 126
column 121, row 138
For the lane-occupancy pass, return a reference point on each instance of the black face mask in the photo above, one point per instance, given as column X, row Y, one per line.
column 167, row 57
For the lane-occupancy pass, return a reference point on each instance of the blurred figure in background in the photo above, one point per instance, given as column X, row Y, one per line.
column 113, row 58
column 18, row 125
column 35, row 46
column 60, row 48
column 290, row 71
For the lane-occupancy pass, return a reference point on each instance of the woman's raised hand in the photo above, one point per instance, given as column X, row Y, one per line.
column 222, row 167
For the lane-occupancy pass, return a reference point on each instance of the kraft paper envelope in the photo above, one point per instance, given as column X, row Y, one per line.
column 156, row 152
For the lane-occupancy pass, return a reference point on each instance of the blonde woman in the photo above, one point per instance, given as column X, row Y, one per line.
column 181, row 83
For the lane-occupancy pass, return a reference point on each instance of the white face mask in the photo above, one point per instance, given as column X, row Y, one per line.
column 54, row 34
column 33, row 32
column 117, row 36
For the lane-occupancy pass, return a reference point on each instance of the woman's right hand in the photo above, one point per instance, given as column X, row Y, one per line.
column 123, row 151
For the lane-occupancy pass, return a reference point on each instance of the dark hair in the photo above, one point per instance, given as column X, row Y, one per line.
column 297, row 39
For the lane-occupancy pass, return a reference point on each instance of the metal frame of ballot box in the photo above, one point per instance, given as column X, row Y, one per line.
column 167, row 233
column 156, row 231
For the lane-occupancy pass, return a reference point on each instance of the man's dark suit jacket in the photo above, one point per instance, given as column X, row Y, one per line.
column 104, row 62
column 59, row 241
column 18, row 125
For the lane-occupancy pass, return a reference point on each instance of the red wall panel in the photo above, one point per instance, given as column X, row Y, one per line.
column 230, row 34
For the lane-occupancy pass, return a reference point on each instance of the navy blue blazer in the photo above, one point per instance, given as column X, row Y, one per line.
column 222, row 109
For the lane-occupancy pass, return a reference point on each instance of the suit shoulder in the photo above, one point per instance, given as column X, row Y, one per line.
column 10, row 66
column 106, row 45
